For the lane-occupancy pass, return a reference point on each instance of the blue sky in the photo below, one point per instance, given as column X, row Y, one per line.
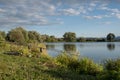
column 87, row 18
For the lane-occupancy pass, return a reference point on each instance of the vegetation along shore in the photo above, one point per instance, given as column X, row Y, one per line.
column 23, row 56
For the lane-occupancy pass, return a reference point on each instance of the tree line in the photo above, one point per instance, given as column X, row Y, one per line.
column 21, row 36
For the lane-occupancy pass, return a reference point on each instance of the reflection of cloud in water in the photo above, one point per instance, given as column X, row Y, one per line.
column 111, row 46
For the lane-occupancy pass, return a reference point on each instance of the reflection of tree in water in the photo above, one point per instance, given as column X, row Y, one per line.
column 111, row 46
column 81, row 45
column 50, row 46
column 70, row 49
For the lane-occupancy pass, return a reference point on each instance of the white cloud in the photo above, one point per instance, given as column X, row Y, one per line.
column 2, row 10
column 93, row 3
column 41, row 12
column 93, row 17
column 26, row 12
column 113, row 12
column 70, row 11
column 82, row 10
column 118, row 16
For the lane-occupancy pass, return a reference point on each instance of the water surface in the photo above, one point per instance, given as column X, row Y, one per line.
column 98, row 51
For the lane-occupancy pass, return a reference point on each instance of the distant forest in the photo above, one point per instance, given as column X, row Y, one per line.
column 21, row 36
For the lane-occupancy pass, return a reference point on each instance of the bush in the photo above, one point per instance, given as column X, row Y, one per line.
column 65, row 60
column 82, row 66
column 87, row 66
column 112, row 65
column 112, row 70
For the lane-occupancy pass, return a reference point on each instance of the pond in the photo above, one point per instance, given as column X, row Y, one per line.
column 97, row 51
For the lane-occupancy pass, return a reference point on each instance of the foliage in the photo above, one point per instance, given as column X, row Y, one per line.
column 82, row 66
column 113, row 65
column 21, row 36
column 16, row 36
column 47, row 38
column 32, row 50
column 52, row 39
column 87, row 66
column 81, row 39
column 34, row 36
column 24, row 32
column 2, row 36
column 64, row 59
column 69, row 37
column 110, row 37
column 112, row 70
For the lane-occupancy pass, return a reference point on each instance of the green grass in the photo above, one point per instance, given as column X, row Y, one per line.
column 63, row 67
column 43, row 68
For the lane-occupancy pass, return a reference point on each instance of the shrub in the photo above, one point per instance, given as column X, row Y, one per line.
column 25, row 52
column 87, row 66
column 112, row 65
column 112, row 70
column 82, row 66
column 65, row 60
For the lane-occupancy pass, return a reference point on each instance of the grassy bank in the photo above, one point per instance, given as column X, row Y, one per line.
column 24, row 68
column 62, row 67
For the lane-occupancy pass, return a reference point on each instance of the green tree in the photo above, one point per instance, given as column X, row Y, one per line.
column 2, row 35
column 52, row 39
column 44, row 38
column 110, row 37
column 1, row 38
column 15, row 36
column 18, row 35
column 24, row 32
column 47, row 38
column 81, row 39
column 34, row 36
column 69, row 37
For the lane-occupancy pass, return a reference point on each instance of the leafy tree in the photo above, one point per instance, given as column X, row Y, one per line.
column 34, row 36
column 47, row 38
column 110, row 37
column 18, row 35
column 2, row 36
column 15, row 36
column 60, row 39
column 24, row 32
column 81, row 39
column 52, row 39
column 69, row 37
column 44, row 38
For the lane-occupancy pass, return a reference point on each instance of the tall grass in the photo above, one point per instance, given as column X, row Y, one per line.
column 82, row 66
column 112, row 70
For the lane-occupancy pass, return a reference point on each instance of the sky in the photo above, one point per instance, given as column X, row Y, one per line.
column 87, row 18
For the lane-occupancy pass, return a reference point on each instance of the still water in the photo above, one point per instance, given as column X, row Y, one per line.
column 99, row 51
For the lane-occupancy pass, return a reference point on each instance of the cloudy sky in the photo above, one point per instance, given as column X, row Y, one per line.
column 55, row 17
